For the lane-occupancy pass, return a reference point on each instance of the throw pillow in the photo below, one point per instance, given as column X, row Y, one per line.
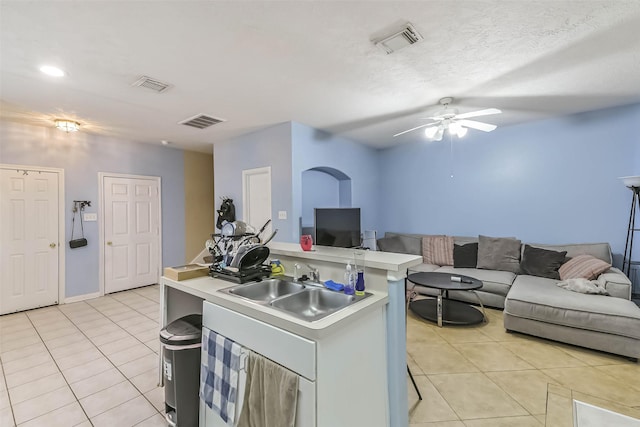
column 583, row 266
column 499, row 253
column 465, row 256
column 391, row 244
column 541, row 262
column 437, row 250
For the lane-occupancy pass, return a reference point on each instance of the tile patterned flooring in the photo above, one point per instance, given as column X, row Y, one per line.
column 95, row 363
column 480, row 375
column 91, row 363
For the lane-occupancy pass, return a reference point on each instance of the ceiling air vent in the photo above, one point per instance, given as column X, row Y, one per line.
column 405, row 36
column 201, row 121
column 153, row 84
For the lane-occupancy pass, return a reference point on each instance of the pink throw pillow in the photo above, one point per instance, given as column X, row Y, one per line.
column 437, row 250
column 583, row 266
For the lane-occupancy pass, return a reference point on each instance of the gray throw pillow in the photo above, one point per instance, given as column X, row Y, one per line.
column 542, row 262
column 499, row 253
column 392, row 244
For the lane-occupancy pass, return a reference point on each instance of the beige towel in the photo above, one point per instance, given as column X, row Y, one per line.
column 270, row 395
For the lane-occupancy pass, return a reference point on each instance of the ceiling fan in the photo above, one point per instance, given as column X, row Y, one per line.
column 449, row 119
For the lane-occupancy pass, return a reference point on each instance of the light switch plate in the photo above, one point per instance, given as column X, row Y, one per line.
column 90, row 216
column 282, row 214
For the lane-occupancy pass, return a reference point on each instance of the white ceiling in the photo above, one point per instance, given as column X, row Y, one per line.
column 256, row 64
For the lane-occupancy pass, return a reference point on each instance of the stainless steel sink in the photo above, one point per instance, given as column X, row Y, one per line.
column 307, row 301
column 266, row 290
column 314, row 304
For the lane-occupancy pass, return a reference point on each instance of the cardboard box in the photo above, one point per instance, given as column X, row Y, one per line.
column 185, row 272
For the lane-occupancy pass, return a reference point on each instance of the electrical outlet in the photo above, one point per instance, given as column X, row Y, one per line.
column 282, row 214
column 90, row 216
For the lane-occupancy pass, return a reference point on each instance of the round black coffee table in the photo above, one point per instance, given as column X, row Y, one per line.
column 442, row 310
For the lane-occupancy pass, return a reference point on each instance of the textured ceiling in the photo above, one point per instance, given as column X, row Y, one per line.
column 256, row 64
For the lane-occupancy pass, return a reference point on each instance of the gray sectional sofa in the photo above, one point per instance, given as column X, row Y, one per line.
column 536, row 306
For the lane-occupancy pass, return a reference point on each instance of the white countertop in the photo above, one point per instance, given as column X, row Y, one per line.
column 388, row 261
column 207, row 288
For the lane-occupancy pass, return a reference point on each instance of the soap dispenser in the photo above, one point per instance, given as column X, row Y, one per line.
column 349, row 280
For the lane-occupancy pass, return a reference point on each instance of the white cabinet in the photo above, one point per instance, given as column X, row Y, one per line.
column 291, row 351
column 342, row 376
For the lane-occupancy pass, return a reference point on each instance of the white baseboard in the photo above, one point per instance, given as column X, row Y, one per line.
column 79, row 298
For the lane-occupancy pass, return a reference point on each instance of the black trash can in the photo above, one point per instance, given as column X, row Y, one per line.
column 182, row 340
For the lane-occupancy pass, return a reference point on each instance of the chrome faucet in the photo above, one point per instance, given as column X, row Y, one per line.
column 314, row 274
column 296, row 268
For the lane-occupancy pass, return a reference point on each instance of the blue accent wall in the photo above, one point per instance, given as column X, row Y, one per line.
column 82, row 156
column 551, row 181
column 312, row 148
column 267, row 147
column 321, row 191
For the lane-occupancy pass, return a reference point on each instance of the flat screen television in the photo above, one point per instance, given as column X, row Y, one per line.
column 338, row 227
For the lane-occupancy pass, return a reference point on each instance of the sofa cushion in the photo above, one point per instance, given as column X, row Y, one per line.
column 498, row 253
column 541, row 262
column 465, row 256
column 494, row 281
column 437, row 250
column 423, row 268
column 599, row 250
column 392, row 244
column 412, row 242
column 540, row 299
column 583, row 266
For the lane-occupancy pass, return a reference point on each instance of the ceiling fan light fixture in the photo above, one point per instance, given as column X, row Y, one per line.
column 439, row 133
column 430, row 132
column 462, row 131
column 67, row 125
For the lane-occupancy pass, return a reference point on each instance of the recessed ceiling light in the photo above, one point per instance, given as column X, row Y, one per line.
column 52, row 71
column 67, row 125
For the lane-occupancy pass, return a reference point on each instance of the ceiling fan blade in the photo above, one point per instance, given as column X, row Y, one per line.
column 478, row 113
column 485, row 127
column 412, row 129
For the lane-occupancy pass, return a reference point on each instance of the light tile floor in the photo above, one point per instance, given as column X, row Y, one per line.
column 95, row 363
column 91, row 363
column 481, row 375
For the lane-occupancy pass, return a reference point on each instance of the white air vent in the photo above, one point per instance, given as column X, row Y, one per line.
column 201, row 121
column 153, row 84
column 405, row 36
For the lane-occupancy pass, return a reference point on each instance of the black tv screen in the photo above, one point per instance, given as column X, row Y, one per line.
column 339, row 227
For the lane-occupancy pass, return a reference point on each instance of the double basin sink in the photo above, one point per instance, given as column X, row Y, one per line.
column 308, row 301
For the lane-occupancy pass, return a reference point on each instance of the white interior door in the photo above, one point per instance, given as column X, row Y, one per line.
column 29, row 246
column 131, row 232
column 256, row 198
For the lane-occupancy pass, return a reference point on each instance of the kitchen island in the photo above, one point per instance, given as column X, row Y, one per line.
column 351, row 364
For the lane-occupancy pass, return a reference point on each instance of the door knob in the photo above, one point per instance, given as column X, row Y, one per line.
column 52, row 245
column 109, row 243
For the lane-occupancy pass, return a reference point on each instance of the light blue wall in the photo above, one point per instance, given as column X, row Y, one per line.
column 312, row 148
column 321, row 191
column 268, row 147
column 552, row 181
column 82, row 156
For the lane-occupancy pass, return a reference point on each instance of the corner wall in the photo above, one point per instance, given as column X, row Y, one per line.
column 198, row 202
column 82, row 156
column 313, row 148
column 268, row 147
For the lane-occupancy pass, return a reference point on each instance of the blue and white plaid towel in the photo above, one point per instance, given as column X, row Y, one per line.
column 219, row 367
